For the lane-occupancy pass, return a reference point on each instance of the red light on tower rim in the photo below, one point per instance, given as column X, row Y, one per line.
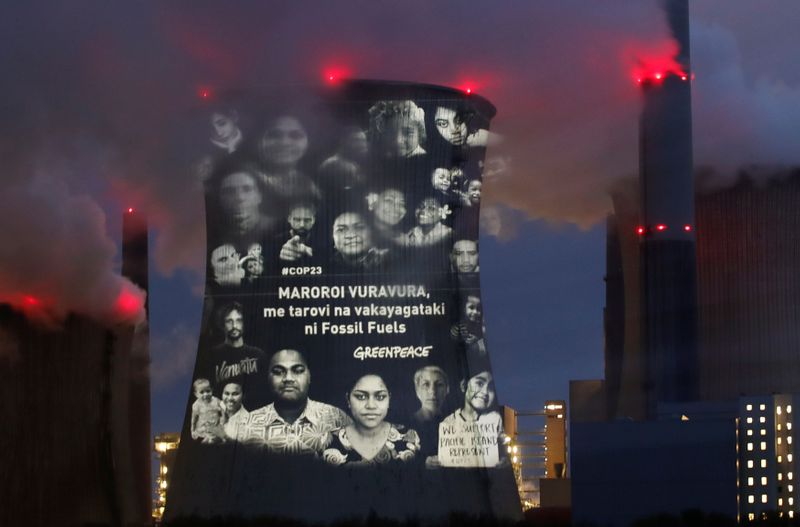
column 334, row 74
column 130, row 210
column 687, row 228
column 31, row 300
column 661, row 227
column 640, row 230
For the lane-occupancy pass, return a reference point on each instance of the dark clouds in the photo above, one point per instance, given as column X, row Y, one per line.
column 102, row 88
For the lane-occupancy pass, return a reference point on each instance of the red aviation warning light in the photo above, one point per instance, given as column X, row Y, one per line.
column 130, row 210
column 687, row 228
column 204, row 93
column 31, row 301
column 334, row 74
column 640, row 230
column 661, row 227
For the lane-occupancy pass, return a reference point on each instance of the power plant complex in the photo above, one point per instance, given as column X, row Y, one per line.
column 343, row 241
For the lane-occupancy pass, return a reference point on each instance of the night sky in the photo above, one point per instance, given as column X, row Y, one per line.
column 93, row 92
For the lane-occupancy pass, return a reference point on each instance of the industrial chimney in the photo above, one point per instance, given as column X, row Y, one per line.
column 667, row 231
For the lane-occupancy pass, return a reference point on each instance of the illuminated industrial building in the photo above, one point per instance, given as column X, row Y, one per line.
column 690, row 327
column 166, row 447
column 79, row 395
column 767, row 469
column 538, row 453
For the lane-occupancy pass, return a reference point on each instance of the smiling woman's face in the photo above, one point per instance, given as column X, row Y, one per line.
column 369, row 401
column 284, row 142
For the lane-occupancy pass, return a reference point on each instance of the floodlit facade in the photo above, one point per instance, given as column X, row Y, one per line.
column 165, row 446
column 766, row 457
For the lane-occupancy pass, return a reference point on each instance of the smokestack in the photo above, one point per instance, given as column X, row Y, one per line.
column 134, row 248
column 669, row 288
column 135, row 268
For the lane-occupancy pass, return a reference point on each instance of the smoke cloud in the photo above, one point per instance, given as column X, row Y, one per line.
column 57, row 258
column 96, row 103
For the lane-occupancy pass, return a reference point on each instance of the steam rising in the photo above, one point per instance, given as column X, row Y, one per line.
column 58, row 257
column 104, row 91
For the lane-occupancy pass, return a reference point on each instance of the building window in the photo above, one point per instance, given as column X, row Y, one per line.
column 763, row 431
column 789, row 409
column 749, row 407
column 780, row 459
column 762, row 419
column 749, row 446
column 779, row 426
column 788, row 426
column 780, row 476
column 780, row 440
column 751, row 499
column 791, row 514
column 749, row 432
column 763, row 445
column 790, row 487
column 764, row 498
column 778, row 410
column 789, row 475
column 750, row 481
column 749, row 463
column 791, row 501
column 780, row 502
column 751, row 516
column 764, row 480
column 749, row 420
column 763, row 463
column 789, row 457
column 789, row 439
column 762, row 407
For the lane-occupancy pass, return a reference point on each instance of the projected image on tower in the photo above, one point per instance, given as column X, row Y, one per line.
column 343, row 357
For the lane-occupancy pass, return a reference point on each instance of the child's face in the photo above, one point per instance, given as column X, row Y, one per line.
column 479, row 392
column 203, row 392
column 473, row 309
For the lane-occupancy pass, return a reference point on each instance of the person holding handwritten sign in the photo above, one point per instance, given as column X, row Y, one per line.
column 473, row 435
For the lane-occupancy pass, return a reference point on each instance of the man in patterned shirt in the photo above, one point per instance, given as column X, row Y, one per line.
column 293, row 424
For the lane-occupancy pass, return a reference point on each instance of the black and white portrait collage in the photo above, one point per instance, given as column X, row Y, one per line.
column 343, row 331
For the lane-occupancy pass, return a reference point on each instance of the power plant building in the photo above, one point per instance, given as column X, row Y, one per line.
column 79, row 395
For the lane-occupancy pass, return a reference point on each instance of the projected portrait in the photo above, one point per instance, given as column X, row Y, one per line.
column 208, row 414
column 281, row 147
column 240, row 213
column 479, row 408
column 451, row 123
column 226, row 269
column 370, row 439
column 344, row 171
column 296, row 240
column 225, row 131
column 236, row 414
column 464, row 256
column 472, row 193
column 430, row 228
column 388, row 207
column 293, row 423
column 342, row 365
column 354, row 244
column 397, row 128
column 469, row 330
